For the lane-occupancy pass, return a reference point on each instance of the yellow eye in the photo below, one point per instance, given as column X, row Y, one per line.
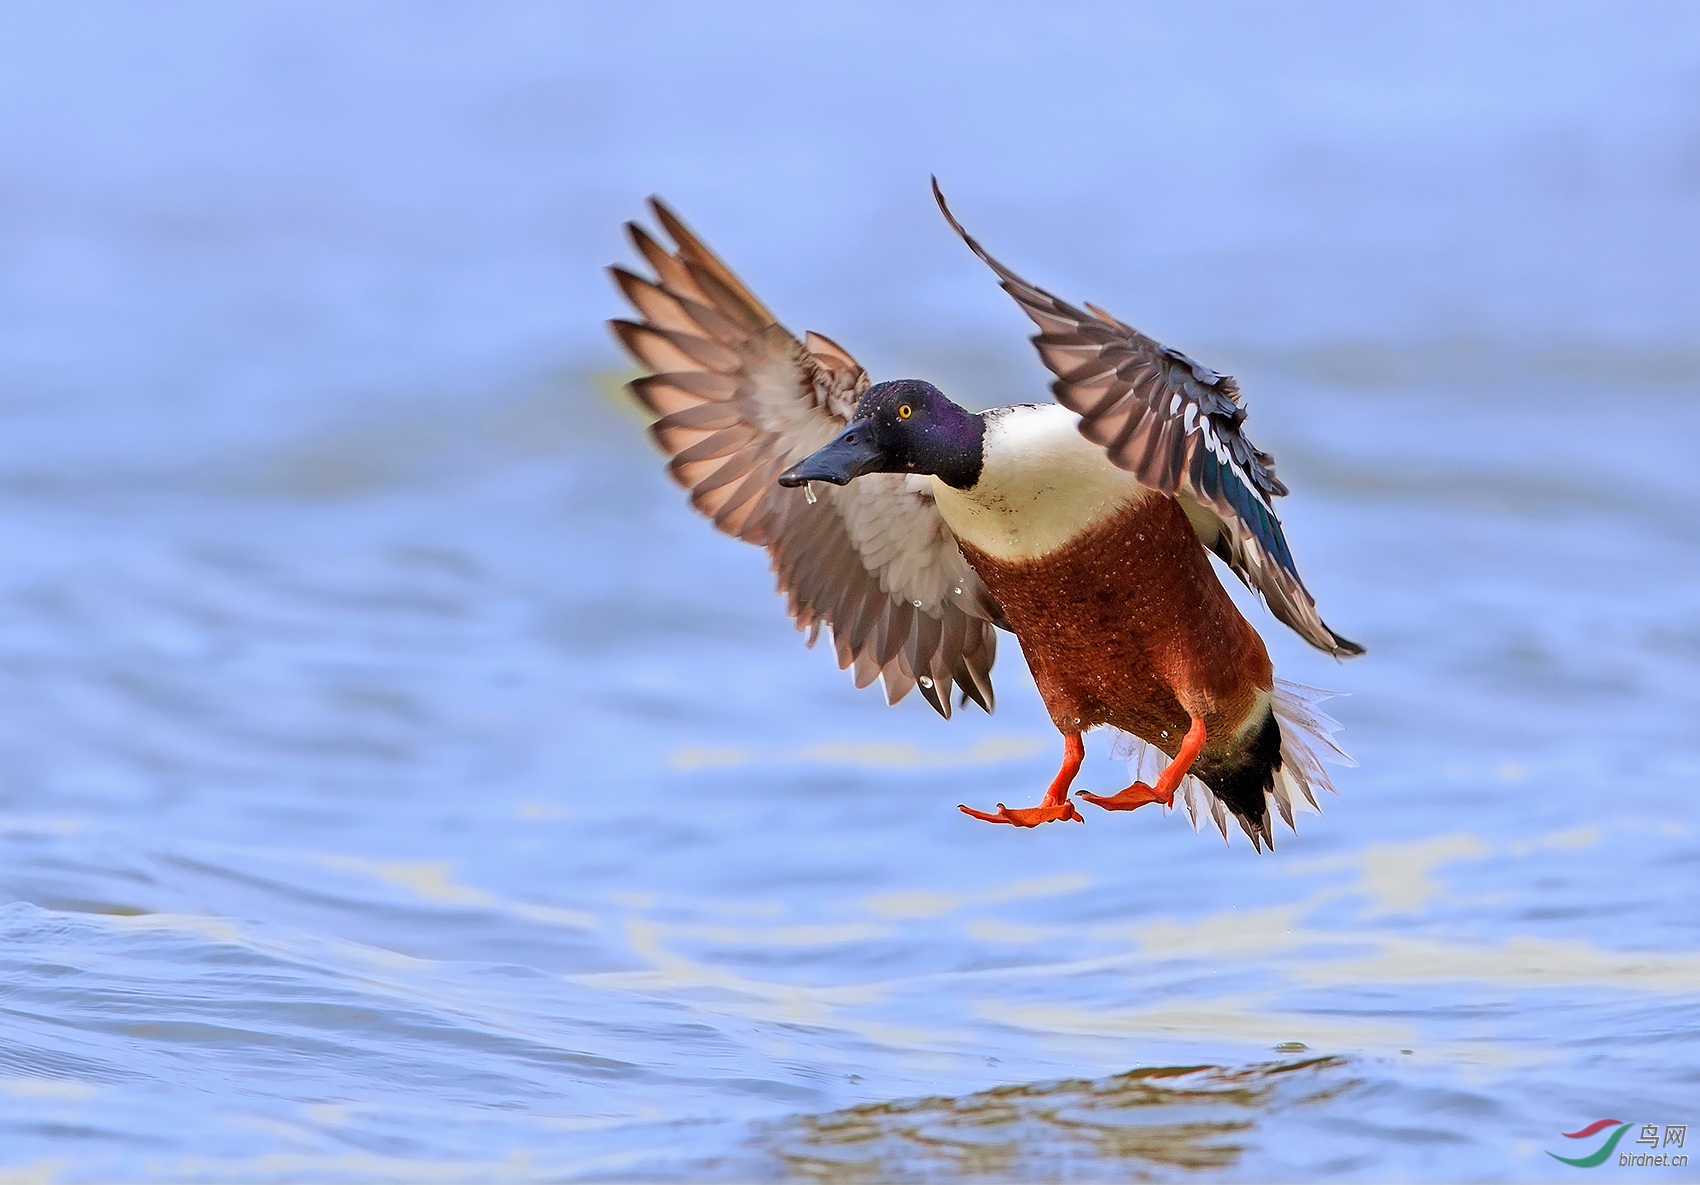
column 904, row 412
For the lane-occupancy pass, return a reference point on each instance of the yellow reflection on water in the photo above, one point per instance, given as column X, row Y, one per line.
column 1184, row 1117
column 1399, row 875
column 928, row 903
column 1223, row 1018
column 1516, row 962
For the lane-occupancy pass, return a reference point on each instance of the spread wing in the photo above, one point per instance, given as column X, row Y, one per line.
column 740, row 400
column 1175, row 425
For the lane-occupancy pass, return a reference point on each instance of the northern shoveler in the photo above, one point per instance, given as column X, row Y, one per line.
column 914, row 528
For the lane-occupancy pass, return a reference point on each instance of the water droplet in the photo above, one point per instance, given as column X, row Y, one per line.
column 925, row 680
column 809, row 494
column 917, row 604
column 1165, row 734
column 957, row 590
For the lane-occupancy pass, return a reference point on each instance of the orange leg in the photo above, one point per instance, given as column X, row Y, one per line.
column 1056, row 804
column 1138, row 794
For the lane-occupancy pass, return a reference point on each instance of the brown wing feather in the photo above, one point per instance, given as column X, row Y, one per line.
column 1175, row 425
column 737, row 399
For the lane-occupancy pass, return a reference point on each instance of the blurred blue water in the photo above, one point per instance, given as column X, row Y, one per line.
column 398, row 782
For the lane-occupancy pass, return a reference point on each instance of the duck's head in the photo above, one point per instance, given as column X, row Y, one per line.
column 903, row 426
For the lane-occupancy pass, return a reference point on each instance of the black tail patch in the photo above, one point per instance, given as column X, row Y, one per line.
column 1243, row 779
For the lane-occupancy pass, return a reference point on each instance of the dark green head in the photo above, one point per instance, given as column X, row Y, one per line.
column 904, row 426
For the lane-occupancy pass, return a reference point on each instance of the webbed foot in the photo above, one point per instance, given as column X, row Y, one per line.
column 1139, row 794
column 1056, row 805
column 1131, row 799
column 1027, row 816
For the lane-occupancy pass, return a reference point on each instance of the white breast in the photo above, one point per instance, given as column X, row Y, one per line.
column 1043, row 483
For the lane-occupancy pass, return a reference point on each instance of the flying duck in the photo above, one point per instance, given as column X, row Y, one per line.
column 914, row 529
